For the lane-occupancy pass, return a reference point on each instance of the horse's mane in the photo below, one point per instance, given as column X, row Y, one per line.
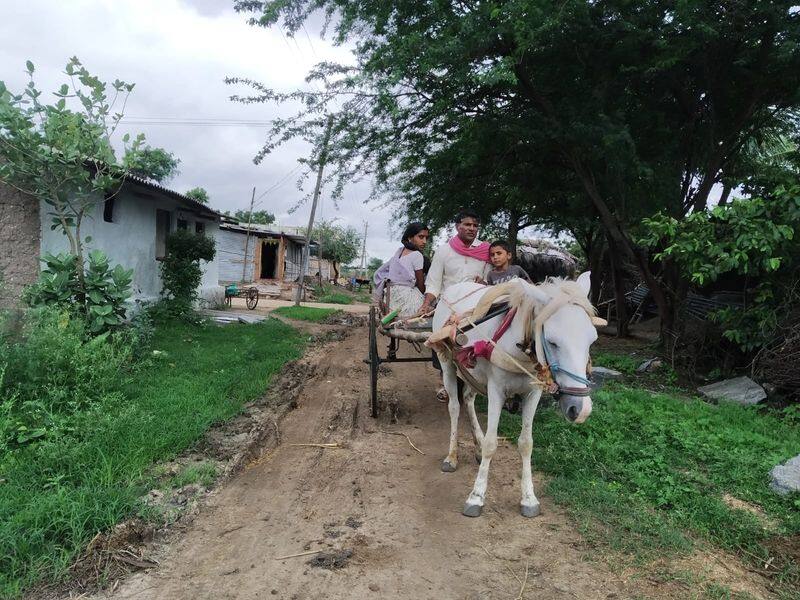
column 533, row 312
column 515, row 291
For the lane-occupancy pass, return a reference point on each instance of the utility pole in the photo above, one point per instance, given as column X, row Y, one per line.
column 247, row 239
column 323, row 156
column 364, row 252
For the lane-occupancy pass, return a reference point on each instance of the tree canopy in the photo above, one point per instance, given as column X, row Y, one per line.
column 199, row 194
column 612, row 110
column 259, row 217
column 336, row 243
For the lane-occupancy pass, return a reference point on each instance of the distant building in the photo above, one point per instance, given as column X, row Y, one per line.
column 131, row 228
column 274, row 253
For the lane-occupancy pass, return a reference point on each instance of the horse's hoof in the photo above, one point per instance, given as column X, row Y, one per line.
column 472, row 510
column 448, row 467
column 529, row 511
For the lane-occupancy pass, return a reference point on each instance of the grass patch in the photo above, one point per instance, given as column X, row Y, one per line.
column 619, row 362
column 647, row 472
column 202, row 473
column 305, row 313
column 335, row 298
column 58, row 494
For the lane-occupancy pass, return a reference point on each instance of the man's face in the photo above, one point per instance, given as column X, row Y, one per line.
column 467, row 229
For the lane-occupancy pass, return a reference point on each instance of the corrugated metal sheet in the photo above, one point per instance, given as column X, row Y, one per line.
column 230, row 250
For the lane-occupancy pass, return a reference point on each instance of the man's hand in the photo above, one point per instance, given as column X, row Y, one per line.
column 428, row 304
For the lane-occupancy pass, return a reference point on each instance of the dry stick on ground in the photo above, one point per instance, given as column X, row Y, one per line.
column 405, row 436
column 489, row 554
column 334, row 445
column 524, row 580
column 298, row 554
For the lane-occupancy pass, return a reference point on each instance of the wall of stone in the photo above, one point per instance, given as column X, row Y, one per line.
column 20, row 229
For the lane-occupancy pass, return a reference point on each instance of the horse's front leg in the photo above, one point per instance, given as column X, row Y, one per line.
column 474, row 504
column 529, row 507
column 477, row 432
column 450, row 379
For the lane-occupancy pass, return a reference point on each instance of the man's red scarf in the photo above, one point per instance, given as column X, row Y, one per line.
column 479, row 252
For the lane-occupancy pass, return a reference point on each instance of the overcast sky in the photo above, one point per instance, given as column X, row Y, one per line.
column 178, row 52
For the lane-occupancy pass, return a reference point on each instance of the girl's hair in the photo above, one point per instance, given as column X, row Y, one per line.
column 411, row 230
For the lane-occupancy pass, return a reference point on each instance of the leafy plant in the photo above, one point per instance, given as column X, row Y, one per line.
column 102, row 301
column 53, row 369
column 180, row 271
column 199, row 194
column 258, row 217
column 338, row 244
column 753, row 237
column 62, row 153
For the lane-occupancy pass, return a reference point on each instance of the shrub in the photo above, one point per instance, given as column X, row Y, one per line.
column 181, row 273
column 51, row 370
column 103, row 304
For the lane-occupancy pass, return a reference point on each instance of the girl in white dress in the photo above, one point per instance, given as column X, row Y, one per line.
column 406, row 271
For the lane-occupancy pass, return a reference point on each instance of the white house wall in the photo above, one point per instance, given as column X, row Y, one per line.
column 130, row 240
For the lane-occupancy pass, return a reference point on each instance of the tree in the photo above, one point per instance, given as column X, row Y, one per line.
column 153, row 163
column 63, row 156
column 199, row 194
column 259, row 217
column 373, row 264
column 645, row 105
column 338, row 244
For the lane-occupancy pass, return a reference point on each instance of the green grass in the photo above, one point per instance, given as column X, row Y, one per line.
column 203, row 473
column 335, row 298
column 646, row 473
column 305, row 313
column 619, row 362
column 338, row 295
column 57, row 495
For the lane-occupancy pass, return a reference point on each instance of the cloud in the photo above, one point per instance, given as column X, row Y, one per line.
column 178, row 53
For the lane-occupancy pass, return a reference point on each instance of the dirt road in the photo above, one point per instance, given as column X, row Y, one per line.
column 388, row 517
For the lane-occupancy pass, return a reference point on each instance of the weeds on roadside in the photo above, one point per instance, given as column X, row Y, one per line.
column 60, row 491
column 305, row 313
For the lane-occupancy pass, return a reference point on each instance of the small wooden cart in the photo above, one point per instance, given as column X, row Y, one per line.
column 250, row 295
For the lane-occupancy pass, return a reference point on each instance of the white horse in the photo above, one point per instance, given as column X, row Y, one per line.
column 557, row 319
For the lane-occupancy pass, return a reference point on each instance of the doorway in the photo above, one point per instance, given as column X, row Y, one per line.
column 269, row 260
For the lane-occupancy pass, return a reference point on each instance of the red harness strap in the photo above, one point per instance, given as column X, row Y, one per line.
column 468, row 355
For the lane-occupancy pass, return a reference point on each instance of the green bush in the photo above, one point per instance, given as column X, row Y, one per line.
column 103, row 304
column 181, row 273
column 51, row 369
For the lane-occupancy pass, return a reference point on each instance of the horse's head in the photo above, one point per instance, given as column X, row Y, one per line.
column 564, row 329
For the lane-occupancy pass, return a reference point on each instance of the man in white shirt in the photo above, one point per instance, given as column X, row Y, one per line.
column 463, row 258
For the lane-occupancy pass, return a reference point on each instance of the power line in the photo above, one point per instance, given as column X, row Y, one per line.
column 196, row 122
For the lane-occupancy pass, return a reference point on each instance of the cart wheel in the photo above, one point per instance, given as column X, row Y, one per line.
column 374, row 361
column 252, row 298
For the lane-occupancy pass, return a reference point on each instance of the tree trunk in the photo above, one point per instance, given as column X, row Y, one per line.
column 726, row 192
column 513, row 231
column 619, row 289
column 594, row 260
column 619, row 241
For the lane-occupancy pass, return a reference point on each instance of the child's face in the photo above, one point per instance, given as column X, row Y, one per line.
column 420, row 240
column 499, row 256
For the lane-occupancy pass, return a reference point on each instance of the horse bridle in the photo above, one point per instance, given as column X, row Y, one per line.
column 551, row 368
column 554, row 368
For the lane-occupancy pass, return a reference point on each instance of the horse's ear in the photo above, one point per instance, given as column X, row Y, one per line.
column 585, row 282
